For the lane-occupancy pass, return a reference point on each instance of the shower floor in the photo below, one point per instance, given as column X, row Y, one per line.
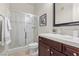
column 22, row 52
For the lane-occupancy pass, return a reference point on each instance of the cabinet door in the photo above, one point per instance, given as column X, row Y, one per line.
column 70, row 51
column 44, row 49
column 56, row 53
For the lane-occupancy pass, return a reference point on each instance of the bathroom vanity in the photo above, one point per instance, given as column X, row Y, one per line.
column 58, row 45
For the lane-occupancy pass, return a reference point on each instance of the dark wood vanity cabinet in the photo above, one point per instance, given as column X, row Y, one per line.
column 49, row 47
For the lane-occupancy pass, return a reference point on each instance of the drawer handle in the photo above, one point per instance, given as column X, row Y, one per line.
column 51, row 52
column 48, row 50
column 74, row 54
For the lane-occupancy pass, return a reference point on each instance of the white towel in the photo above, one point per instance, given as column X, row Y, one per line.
column 3, row 29
column 6, row 32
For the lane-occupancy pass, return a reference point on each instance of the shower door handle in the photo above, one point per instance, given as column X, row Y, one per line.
column 25, row 38
column 25, row 35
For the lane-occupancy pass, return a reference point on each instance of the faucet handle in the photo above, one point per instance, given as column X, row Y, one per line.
column 54, row 31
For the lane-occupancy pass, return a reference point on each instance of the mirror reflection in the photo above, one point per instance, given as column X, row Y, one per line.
column 66, row 13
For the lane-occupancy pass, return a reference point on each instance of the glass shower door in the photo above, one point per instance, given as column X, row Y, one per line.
column 29, row 23
column 18, row 30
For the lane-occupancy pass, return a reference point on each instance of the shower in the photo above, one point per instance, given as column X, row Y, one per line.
column 24, row 33
column 24, row 29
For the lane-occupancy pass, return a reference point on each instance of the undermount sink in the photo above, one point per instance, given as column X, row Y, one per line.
column 67, row 37
column 61, row 36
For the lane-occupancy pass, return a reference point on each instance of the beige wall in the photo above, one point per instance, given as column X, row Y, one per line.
column 22, row 7
column 40, row 9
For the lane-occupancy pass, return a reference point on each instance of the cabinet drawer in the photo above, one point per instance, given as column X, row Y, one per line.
column 53, row 44
column 70, row 51
column 56, row 53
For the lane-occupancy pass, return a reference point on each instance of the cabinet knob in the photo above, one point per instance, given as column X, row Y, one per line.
column 48, row 50
column 51, row 52
column 75, row 54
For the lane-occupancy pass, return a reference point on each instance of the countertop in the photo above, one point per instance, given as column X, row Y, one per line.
column 65, row 39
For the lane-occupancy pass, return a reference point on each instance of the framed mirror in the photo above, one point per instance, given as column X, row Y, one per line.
column 65, row 14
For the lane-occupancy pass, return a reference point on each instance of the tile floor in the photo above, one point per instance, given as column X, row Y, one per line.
column 22, row 53
column 19, row 53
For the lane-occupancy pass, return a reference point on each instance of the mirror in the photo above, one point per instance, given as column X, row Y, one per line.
column 66, row 14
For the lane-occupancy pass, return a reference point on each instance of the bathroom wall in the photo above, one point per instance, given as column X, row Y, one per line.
column 22, row 7
column 40, row 9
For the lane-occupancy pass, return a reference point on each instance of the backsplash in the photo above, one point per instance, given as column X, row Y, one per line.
column 67, row 30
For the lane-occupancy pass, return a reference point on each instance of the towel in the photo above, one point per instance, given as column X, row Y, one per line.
column 6, row 32
column 3, row 29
